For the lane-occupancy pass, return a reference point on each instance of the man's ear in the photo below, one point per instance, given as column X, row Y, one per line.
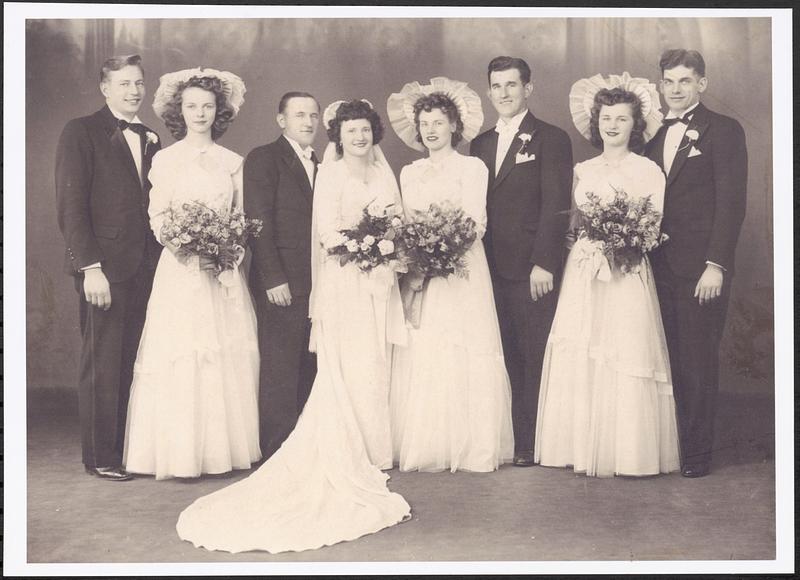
column 702, row 85
column 528, row 89
column 281, row 119
column 104, row 88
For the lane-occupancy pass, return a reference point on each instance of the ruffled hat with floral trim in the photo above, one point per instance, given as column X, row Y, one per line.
column 169, row 84
column 400, row 108
column 581, row 100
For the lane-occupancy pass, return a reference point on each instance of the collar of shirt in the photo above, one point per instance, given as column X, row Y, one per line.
column 301, row 153
column 118, row 116
column 671, row 115
column 504, row 126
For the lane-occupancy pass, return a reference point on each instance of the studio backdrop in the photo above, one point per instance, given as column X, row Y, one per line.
column 371, row 58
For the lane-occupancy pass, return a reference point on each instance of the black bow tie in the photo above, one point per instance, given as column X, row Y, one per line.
column 685, row 120
column 135, row 127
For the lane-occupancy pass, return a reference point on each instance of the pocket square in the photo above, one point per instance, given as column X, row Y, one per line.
column 694, row 152
column 523, row 158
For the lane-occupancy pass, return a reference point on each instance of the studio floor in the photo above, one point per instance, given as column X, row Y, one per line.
column 510, row 515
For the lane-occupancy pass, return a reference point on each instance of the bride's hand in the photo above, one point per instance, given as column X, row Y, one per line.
column 180, row 254
column 415, row 281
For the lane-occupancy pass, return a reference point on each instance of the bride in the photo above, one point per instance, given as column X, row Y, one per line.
column 325, row 485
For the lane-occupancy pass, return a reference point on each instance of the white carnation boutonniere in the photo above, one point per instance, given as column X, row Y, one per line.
column 152, row 138
column 692, row 135
column 523, row 155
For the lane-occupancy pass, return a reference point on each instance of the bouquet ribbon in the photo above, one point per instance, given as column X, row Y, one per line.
column 412, row 303
column 382, row 285
column 590, row 256
column 230, row 281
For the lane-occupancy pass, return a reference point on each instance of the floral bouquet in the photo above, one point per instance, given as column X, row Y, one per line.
column 371, row 242
column 625, row 228
column 435, row 244
column 197, row 229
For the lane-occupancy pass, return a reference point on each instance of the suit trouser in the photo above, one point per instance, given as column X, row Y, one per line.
column 108, row 352
column 693, row 335
column 524, row 328
column 287, row 368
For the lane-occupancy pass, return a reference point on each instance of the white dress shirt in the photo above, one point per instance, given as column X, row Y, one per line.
column 305, row 158
column 673, row 138
column 134, row 142
column 506, row 131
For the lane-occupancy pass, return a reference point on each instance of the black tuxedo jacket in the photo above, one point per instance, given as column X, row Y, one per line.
column 705, row 198
column 101, row 202
column 276, row 191
column 527, row 202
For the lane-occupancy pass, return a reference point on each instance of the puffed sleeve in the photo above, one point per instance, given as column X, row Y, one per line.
column 475, row 181
column 237, row 176
column 405, row 187
column 656, row 185
column 160, row 194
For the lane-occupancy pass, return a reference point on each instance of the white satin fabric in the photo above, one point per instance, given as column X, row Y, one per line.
column 605, row 404
column 325, row 485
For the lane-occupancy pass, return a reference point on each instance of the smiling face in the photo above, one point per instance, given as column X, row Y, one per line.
column 300, row 120
column 681, row 87
column 199, row 109
column 124, row 90
column 356, row 137
column 508, row 93
column 435, row 129
column 615, row 123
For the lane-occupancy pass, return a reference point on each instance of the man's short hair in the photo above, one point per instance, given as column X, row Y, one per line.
column 119, row 62
column 682, row 57
column 291, row 95
column 500, row 63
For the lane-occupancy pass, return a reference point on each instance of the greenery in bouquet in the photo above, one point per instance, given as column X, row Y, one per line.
column 197, row 229
column 372, row 242
column 626, row 228
column 436, row 241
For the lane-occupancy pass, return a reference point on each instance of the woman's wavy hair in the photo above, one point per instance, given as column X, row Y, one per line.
column 615, row 96
column 173, row 118
column 351, row 111
column 446, row 105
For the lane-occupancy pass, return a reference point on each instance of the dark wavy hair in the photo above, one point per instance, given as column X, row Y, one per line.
column 118, row 63
column 173, row 118
column 446, row 105
column 351, row 111
column 616, row 96
column 501, row 63
column 682, row 57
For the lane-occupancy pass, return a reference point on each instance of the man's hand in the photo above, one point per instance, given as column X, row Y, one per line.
column 280, row 295
column 541, row 283
column 96, row 288
column 709, row 287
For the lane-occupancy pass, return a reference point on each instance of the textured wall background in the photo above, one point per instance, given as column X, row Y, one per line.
column 371, row 58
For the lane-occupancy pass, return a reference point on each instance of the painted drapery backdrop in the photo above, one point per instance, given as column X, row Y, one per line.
column 371, row 58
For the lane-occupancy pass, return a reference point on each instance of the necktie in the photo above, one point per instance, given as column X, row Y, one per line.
column 685, row 120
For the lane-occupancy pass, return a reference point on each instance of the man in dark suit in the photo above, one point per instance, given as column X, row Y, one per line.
column 278, row 189
column 530, row 178
column 704, row 157
column 102, row 194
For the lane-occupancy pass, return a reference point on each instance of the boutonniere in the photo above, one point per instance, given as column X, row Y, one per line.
column 691, row 136
column 523, row 155
column 152, row 138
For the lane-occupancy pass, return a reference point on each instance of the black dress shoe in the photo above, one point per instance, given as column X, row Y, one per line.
column 110, row 473
column 524, row 459
column 695, row 470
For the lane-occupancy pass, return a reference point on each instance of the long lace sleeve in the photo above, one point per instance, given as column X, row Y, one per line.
column 658, row 185
column 238, row 186
column 160, row 193
column 475, row 181
column 327, row 206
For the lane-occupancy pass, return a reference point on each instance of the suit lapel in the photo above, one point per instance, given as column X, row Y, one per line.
column 119, row 146
column 510, row 160
column 296, row 167
column 699, row 123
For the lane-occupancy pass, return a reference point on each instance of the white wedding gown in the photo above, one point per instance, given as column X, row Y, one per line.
column 451, row 396
column 606, row 405
column 193, row 406
column 325, row 485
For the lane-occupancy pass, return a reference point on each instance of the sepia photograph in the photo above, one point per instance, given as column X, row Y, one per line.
column 403, row 290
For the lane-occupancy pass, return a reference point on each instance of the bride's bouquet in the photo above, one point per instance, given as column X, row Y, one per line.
column 371, row 242
column 196, row 229
column 435, row 243
column 625, row 228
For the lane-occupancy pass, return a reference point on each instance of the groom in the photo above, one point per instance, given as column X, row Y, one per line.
column 102, row 162
column 278, row 189
column 530, row 179
column 704, row 157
